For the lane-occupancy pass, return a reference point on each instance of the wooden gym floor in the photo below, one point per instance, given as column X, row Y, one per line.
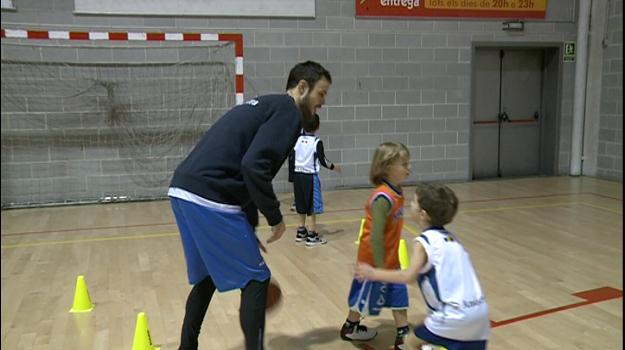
column 536, row 243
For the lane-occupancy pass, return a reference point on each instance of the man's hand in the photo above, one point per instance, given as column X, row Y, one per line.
column 277, row 232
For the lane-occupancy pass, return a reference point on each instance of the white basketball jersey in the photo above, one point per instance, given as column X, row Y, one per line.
column 456, row 305
column 306, row 160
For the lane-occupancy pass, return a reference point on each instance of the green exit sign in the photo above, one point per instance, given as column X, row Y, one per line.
column 569, row 51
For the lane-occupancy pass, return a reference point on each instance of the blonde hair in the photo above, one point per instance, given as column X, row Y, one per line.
column 385, row 155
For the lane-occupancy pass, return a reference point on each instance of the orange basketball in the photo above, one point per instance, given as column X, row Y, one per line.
column 274, row 295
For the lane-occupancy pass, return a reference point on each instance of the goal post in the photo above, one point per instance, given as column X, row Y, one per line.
column 99, row 117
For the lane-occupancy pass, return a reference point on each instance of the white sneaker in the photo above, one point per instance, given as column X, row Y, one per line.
column 432, row 347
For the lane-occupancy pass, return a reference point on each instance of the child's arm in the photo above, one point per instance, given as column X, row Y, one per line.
column 380, row 209
column 324, row 161
column 291, row 160
column 418, row 260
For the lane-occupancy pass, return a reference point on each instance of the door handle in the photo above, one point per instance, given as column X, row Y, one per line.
column 503, row 117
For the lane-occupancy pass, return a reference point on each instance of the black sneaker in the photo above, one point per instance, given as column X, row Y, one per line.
column 401, row 337
column 301, row 235
column 357, row 332
column 314, row 239
column 400, row 342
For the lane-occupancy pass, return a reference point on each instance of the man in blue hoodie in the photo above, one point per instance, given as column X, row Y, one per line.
column 217, row 190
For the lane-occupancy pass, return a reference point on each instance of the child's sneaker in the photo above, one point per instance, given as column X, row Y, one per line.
column 314, row 239
column 301, row 235
column 357, row 332
column 432, row 347
column 400, row 338
column 293, row 206
column 400, row 343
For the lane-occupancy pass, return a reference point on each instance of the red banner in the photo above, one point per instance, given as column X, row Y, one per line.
column 452, row 8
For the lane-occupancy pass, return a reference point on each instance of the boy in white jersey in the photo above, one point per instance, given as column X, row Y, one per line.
column 457, row 316
column 308, row 156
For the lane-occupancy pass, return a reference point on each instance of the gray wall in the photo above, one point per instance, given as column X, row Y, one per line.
column 610, row 143
column 394, row 79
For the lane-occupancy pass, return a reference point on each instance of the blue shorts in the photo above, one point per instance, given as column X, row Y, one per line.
column 317, row 197
column 423, row 333
column 220, row 244
column 368, row 297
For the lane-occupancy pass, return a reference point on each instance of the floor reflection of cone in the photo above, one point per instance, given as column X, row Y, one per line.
column 142, row 339
column 82, row 301
column 404, row 260
column 362, row 227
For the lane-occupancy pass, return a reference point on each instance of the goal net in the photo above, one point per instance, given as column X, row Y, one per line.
column 107, row 122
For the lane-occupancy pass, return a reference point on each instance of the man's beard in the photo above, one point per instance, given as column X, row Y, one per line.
column 306, row 108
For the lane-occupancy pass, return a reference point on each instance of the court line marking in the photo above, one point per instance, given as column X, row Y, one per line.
column 602, row 208
column 289, row 214
column 414, row 231
column 407, row 226
column 590, row 297
column 87, row 240
column 86, row 229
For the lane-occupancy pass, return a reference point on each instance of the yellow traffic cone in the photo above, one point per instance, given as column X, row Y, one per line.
column 362, row 228
column 142, row 339
column 82, row 301
column 404, row 260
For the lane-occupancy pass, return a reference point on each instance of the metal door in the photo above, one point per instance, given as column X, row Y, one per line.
column 506, row 108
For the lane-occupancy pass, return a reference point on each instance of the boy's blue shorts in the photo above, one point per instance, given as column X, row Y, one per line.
column 219, row 244
column 317, row 197
column 368, row 297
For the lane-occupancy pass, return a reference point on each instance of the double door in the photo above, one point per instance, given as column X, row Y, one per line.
column 507, row 112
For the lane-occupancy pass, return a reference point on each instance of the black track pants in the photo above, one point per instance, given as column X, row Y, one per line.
column 251, row 313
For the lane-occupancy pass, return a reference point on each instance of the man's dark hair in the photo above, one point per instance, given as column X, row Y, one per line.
column 311, row 124
column 310, row 71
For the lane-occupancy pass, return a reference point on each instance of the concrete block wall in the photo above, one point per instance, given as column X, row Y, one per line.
column 405, row 80
column 610, row 147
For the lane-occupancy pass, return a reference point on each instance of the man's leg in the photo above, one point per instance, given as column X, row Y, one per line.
column 252, row 313
column 197, row 304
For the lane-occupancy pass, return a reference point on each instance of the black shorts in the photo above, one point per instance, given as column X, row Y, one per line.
column 303, row 190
